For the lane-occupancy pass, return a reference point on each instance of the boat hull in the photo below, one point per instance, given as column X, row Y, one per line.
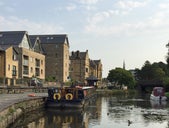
column 158, row 98
column 66, row 104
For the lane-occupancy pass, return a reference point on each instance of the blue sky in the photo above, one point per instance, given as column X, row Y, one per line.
column 112, row 30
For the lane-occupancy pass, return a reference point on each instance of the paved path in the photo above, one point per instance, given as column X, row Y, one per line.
column 9, row 99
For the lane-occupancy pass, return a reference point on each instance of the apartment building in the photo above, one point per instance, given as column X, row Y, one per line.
column 31, row 61
column 56, row 49
column 8, row 65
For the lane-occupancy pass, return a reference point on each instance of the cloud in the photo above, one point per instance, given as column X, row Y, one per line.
column 71, row 7
column 164, row 5
column 15, row 24
column 129, row 4
column 98, row 17
column 88, row 1
column 104, row 24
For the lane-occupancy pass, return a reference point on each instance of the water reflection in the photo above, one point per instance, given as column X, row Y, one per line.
column 120, row 112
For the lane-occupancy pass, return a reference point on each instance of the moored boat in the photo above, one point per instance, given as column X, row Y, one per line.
column 75, row 97
column 158, row 94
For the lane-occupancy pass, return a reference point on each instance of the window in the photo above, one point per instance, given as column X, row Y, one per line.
column 41, row 71
column 13, row 70
column 14, row 56
column 31, row 70
column 8, row 67
column 86, row 69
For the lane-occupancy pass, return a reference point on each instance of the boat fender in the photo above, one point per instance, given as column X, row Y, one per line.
column 69, row 96
column 56, row 96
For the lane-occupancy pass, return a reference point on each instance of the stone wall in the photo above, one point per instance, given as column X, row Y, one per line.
column 10, row 114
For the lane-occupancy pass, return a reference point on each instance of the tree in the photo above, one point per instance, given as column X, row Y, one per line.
column 121, row 77
column 155, row 71
column 167, row 57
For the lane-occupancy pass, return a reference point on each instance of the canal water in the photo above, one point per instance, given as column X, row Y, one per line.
column 103, row 112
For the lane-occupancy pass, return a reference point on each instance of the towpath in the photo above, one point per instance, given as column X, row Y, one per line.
column 7, row 100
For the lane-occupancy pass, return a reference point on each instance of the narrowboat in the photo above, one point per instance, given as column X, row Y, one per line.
column 69, row 97
column 158, row 94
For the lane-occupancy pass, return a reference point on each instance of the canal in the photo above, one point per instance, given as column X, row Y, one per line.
column 103, row 112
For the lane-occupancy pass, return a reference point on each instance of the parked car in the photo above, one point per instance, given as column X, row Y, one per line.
column 35, row 82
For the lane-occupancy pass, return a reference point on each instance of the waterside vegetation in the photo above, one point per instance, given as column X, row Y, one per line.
column 150, row 74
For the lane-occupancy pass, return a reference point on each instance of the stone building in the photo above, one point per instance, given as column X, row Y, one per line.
column 96, row 69
column 56, row 48
column 30, row 61
column 79, row 66
column 82, row 68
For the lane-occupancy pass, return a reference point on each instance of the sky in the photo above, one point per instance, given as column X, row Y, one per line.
column 115, row 31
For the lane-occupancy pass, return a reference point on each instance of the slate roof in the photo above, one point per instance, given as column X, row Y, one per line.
column 11, row 37
column 52, row 39
column 92, row 78
column 4, row 47
column 78, row 55
column 34, row 40
column 93, row 64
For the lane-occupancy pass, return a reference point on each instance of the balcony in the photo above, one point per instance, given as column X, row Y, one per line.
column 14, row 73
column 25, row 72
column 37, row 72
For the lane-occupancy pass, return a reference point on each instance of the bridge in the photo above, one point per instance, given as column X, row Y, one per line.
column 148, row 85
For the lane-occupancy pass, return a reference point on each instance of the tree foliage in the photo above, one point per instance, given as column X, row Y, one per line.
column 155, row 71
column 158, row 71
column 121, row 77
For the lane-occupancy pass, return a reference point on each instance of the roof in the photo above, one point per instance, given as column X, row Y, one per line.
column 92, row 78
column 36, row 44
column 92, row 63
column 52, row 39
column 78, row 55
column 4, row 47
column 97, row 61
column 33, row 40
column 11, row 37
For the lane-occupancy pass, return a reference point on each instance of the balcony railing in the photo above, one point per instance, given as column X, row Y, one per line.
column 37, row 72
column 14, row 73
column 25, row 62
column 25, row 72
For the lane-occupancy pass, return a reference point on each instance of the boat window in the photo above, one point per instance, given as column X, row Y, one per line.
column 80, row 94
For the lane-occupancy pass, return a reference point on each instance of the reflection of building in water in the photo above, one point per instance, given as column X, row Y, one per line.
column 52, row 118
column 64, row 119
column 86, row 120
column 94, row 111
column 40, row 123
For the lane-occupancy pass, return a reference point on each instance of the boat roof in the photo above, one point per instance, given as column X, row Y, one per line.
column 156, row 88
column 77, row 87
column 86, row 87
